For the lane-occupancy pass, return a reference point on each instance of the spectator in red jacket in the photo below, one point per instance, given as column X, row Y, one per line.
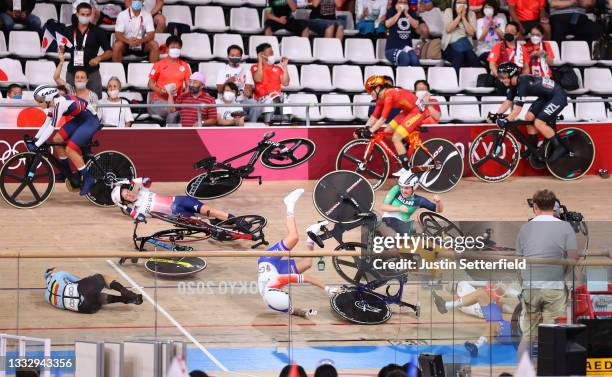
column 528, row 13
column 537, row 54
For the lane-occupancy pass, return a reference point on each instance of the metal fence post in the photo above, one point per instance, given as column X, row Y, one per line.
column 307, row 115
column 200, row 115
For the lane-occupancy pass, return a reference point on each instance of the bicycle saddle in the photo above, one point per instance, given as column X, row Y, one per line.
column 208, row 162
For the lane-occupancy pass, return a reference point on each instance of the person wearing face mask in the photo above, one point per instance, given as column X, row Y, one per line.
column 135, row 33
column 194, row 96
column 421, row 89
column 489, row 29
column 239, row 75
column 505, row 51
column 95, row 11
column 80, row 82
column 168, row 79
column 538, row 54
column 230, row 116
column 278, row 16
column 115, row 116
column 460, row 27
column 18, row 12
column 404, row 24
column 269, row 79
column 14, row 91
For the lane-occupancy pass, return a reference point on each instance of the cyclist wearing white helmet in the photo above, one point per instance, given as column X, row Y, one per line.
column 76, row 132
column 401, row 202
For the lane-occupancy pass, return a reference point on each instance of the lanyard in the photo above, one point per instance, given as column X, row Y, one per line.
column 130, row 14
column 84, row 39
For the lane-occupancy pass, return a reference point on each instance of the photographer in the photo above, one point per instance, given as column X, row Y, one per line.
column 547, row 237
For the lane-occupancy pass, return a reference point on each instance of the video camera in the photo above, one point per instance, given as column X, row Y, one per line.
column 574, row 218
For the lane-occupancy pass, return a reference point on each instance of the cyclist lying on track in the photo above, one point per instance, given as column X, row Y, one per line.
column 85, row 295
column 482, row 303
column 551, row 101
column 274, row 272
column 78, row 131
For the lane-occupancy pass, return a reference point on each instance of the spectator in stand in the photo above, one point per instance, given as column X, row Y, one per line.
column 404, row 24
column 195, row 96
column 239, row 75
column 278, row 16
column 14, row 91
column 323, row 20
column 421, row 6
column 508, row 50
column 229, row 116
column 18, row 12
column 489, row 29
column 95, row 11
column 154, row 7
column 456, row 40
column 384, row 371
column 135, row 32
column 476, row 6
column 569, row 17
column 197, row 373
column 115, row 116
column 87, row 40
column 168, row 78
column 528, row 13
column 537, row 54
column 286, row 371
column 81, row 79
column 370, row 16
column 326, row 370
column 269, row 79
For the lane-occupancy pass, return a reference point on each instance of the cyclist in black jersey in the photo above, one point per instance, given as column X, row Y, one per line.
column 552, row 99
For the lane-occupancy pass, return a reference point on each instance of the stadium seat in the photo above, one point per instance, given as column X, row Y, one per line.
column 443, row 79
column 25, row 44
column 435, row 21
column 256, row 3
column 11, row 72
column 130, row 96
column 210, row 71
column 138, row 75
column 145, row 125
column 280, row 32
column 66, row 14
column 160, row 38
column 178, row 13
column 108, row 70
column 598, row 80
column 359, row 50
column 336, row 113
column 229, row 3
column 316, row 77
column 555, row 48
column 192, row 2
column 526, row 107
column 294, row 79
column 347, row 78
column 297, row 49
column 40, row 72
column 372, row 70
column 381, row 44
column 581, row 89
column 328, row 50
column 210, row 19
column 464, row 113
column 222, row 41
column 468, row 78
column 590, row 111
column 444, row 116
column 196, row 46
column 45, row 12
column 576, row 53
column 486, row 108
column 256, row 40
column 568, row 113
column 407, row 76
column 3, row 49
column 361, row 112
column 300, row 112
column 245, row 20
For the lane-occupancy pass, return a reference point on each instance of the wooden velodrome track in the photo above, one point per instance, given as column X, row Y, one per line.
column 214, row 313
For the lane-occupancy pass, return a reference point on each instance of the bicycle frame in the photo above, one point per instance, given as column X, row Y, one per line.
column 379, row 138
column 512, row 127
column 55, row 162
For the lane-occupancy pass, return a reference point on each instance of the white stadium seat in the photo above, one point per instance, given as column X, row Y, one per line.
column 222, row 41
column 468, row 78
column 443, row 79
column 229, row 3
column 178, row 13
column 590, row 111
column 435, row 21
column 66, row 14
column 372, row 70
column 193, row 2
column 196, row 46
column 294, row 79
column 40, row 72
column 347, row 78
column 25, row 44
column 256, row 40
column 138, row 75
column 160, row 38
column 381, row 44
column 350, row 22
column 297, row 49
column 568, row 113
column 464, row 113
column 361, row 112
column 244, row 20
column 108, row 70
column 316, row 77
column 300, row 112
column 3, row 49
column 210, row 19
column 11, row 68
column 555, row 49
column 581, row 89
column 576, row 53
column 444, row 116
column 337, row 113
column 130, row 96
column 45, row 12
column 328, row 50
column 598, row 80
column 210, row 71
column 407, row 76
column 485, row 108
column 359, row 50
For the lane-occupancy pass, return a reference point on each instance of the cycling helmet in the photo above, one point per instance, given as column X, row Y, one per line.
column 508, row 68
column 116, row 194
column 45, row 93
column 374, row 82
column 409, row 179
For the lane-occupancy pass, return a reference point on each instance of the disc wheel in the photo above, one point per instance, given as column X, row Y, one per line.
column 580, row 159
column 213, row 184
column 289, row 153
column 374, row 167
column 361, row 307
column 254, row 223
column 108, row 167
column 26, row 180
column 494, row 164
column 341, row 196
column 443, row 179
column 362, row 270
column 435, row 225
column 175, row 267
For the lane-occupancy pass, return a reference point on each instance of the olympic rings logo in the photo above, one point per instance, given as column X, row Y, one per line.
column 7, row 151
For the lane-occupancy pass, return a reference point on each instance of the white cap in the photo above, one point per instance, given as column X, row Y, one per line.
column 409, row 179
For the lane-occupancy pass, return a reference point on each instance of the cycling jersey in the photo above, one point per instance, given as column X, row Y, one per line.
column 551, row 101
column 148, row 201
column 413, row 202
column 396, row 98
column 62, row 290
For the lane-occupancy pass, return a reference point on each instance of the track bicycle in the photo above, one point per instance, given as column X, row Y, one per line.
column 220, row 178
column 28, row 178
column 494, row 154
column 438, row 159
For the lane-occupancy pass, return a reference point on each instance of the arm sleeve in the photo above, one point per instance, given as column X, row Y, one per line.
column 148, row 23
column 378, row 106
column 209, row 112
column 47, row 129
column 282, row 280
column 416, row 16
column 521, row 92
column 71, row 278
column 358, row 9
column 120, row 23
column 570, row 243
column 391, row 194
column 494, row 53
column 248, row 77
column 427, row 204
column 154, row 74
column 511, row 93
column 387, row 106
column 220, row 77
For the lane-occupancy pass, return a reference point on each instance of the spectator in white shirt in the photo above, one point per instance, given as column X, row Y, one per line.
column 135, row 32
column 154, row 7
column 370, row 16
column 230, row 116
column 489, row 29
column 115, row 116
column 240, row 76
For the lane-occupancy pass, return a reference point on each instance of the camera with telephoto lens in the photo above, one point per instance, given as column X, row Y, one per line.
column 574, row 218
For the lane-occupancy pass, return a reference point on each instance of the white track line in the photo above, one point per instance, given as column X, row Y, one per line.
column 168, row 316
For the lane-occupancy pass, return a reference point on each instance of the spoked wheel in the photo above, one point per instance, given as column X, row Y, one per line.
column 175, row 267
column 107, row 168
column 373, row 166
column 362, row 270
column 361, row 307
column 247, row 224
column 289, row 153
column 580, row 158
column 180, row 236
column 435, row 225
column 342, row 196
column 26, row 180
column 493, row 159
column 213, row 184
column 451, row 169
column 182, row 221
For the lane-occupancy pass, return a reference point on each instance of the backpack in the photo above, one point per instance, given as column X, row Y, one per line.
column 566, row 77
column 602, row 49
column 431, row 49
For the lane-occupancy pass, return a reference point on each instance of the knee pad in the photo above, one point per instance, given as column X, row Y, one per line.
column 278, row 300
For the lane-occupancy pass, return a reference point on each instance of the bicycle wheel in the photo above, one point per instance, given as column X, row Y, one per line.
column 288, row 153
column 213, row 184
column 343, row 196
column 255, row 224
column 374, row 168
column 362, row 270
column 175, row 267
column 361, row 307
column 494, row 165
column 451, row 171
column 26, row 180
column 435, row 225
column 182, row 221
column 580, row 159
column 108, row 167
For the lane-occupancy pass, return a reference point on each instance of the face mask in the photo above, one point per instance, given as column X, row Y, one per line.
column 80, row 85
column 113, row 93
column 460, row 7
column 402, row 7
column 174, row 53
column 536, row 39
column 271, row 60
column 421, row 93
column 488, row 12
column 229, row 96
column 194, row 90
column 234, row 60
column 509, row 37
column 17, row 97
column 137, row 5
column 84, row 20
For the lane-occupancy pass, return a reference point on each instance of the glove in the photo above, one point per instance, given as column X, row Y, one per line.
column 331, row 290
column 146, row 182
column 502, row 122
column 140, row 218
column 363, row 133
column 31, row 144
column 492, row 117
